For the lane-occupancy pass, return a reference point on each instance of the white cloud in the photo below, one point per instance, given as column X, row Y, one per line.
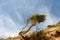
column 6, row 21
column 6, row 24
column 44, row 9
column 20, row 18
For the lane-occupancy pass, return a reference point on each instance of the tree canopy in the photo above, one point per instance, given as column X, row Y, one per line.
column 36, row 18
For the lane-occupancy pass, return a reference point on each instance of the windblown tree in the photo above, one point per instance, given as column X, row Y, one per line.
column 34, row 19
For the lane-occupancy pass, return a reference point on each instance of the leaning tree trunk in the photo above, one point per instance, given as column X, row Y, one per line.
column 21, row 37
column 28, row 29
column 24, row 32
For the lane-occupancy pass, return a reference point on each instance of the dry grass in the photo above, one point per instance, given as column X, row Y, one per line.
column 50, row 33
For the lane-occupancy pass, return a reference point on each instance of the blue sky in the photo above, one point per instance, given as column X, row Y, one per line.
column 13, row 14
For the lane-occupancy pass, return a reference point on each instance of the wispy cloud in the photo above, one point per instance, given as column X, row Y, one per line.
column 8, row 26
column 22, row 9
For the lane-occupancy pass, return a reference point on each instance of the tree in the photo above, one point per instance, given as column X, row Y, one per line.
column 34, row 19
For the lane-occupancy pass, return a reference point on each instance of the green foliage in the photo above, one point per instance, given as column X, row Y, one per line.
column 40, row 18
column 37, row 18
